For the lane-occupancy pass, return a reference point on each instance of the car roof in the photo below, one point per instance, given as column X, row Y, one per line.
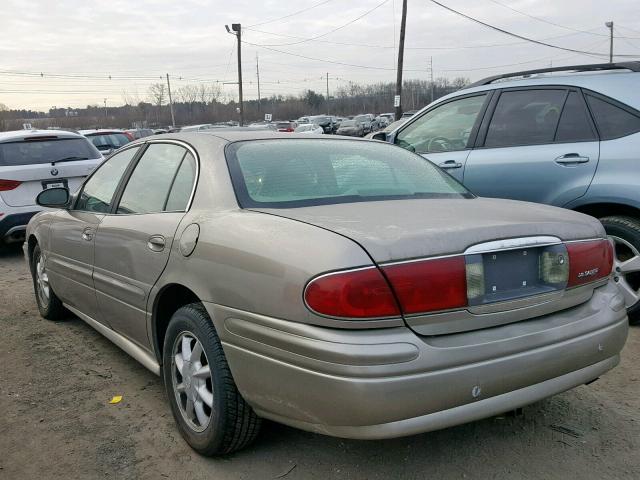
column 619, row 85
column 99, row 131
column 229, row 136
column 22, row 134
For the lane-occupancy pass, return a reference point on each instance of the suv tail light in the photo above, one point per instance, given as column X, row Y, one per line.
column 6, row 185
column 362, row 293
column 429, row 285
column 589, row 261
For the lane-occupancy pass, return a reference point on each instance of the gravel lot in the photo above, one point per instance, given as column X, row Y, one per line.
column 55, row 420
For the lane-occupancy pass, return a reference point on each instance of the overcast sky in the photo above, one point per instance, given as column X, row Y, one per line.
column 142, row 40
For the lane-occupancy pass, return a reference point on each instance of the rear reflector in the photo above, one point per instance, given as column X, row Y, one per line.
column 589, row 261
column 352, row 294
column 429, row 285
column 6, row 185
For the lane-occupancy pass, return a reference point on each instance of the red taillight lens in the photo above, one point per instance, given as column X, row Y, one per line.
column 589, row 261
column 352, row 294
column 8, row 185
column 285, row 130
column 429, row 285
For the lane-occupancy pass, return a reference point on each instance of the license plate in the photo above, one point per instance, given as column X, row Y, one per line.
column 61, row 183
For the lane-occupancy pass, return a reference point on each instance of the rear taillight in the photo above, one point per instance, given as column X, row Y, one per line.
column 589, row 261
column 6, row 185
column 289, row 130
column 429, row 285
column 362, row 293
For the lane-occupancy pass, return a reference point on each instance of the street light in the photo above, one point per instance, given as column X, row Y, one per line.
column 236, row 27
column 609, row 25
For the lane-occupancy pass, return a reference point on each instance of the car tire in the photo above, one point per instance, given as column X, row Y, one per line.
column 625, row 232
column 49, row 304
column 228, row 423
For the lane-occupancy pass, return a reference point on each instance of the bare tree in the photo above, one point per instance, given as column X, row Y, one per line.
column 157, row 93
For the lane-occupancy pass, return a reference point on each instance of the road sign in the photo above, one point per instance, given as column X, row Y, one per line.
column 396, row 101
column 267, row 117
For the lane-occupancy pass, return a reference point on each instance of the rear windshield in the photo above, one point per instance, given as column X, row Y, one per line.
column 289, row 173
column 348, row 123
column 105, row 141
column 46, row 151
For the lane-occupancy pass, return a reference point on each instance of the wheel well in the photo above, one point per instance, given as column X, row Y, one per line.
column 600, row 210
column 170, row 299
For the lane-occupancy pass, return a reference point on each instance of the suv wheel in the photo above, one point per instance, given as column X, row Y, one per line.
column 49, row 304
column 210, row 412
column 625, row 232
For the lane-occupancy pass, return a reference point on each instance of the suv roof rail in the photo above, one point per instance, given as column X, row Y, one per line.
column 594, row 67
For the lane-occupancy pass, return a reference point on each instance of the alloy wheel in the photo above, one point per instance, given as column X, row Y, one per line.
column 42, row 281
column 191, row 378
column 626, row 270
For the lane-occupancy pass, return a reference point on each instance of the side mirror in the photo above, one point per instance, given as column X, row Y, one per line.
column 382, row 136
column 53, row 198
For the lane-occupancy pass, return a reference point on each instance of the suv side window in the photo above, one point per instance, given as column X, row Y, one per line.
column 612, row 121
column 149, row 184
column 525, row 117
column 97, row 192
column 445, row 128
column 574, row 125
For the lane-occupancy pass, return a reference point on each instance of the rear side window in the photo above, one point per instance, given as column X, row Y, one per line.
column 612, row 121
column 46, row 150
column 148, row 187
column 525, row 117
column 574, row 125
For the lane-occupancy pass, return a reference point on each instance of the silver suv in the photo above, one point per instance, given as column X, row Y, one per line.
column 569, row 139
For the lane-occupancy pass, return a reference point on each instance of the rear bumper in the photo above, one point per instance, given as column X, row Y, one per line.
column 390, row 382
column 13, row 226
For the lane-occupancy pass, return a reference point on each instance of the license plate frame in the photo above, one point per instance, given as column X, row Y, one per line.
column 55, row 183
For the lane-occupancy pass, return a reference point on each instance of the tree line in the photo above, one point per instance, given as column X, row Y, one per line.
column 205, row 103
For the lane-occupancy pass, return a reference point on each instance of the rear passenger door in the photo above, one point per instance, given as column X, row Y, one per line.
column 536, row 144
column 133, row 242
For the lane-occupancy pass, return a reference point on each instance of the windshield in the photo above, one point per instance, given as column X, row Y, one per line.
column 361, row 118
column 348, row 123
column 46, row 151
column 298, row 173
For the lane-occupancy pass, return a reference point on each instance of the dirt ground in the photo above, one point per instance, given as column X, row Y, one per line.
column 56, row 380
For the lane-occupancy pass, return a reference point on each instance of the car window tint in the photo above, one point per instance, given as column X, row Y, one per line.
column 612, row 121
column 574, row 125
column 97, row 192
column 182, row 185
column 149, row 184
column 444, row 129
column 109, row 140
column 38, row 150
column 525, row 117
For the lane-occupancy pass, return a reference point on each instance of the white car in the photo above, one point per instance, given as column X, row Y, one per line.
column 32, row 161
column 309, row 128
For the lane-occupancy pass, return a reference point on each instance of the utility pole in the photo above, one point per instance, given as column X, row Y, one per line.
column 431, row 69
column 609, row 25
column 236, row 27
column 106, row 117
column 173, row 120
column 327, row 93
column 403, row 25
column 258, row 75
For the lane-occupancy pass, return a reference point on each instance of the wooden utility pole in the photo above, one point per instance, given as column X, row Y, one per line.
column 403, row 25
column 327, row 93
column 609, row 25
column 258, row 75
column 173, row 120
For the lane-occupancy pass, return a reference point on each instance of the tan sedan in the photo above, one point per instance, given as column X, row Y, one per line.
column 345, row 287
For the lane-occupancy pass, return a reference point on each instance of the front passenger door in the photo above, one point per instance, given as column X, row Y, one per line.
column 133, row 242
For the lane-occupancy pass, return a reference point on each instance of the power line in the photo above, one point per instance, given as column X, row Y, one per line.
column 547, row 21
column 330, row 31
column 291, row 14
column 521, row 37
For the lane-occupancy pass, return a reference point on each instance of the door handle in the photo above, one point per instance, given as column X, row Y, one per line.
column 571, row 159
column 87, row 234
column 156, row 243
column 449, row 164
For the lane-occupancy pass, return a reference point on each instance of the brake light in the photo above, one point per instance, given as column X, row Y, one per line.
column 362, row 293
column 285, row 129
column 429, row 285
column 589, row 261
column 6, row 185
